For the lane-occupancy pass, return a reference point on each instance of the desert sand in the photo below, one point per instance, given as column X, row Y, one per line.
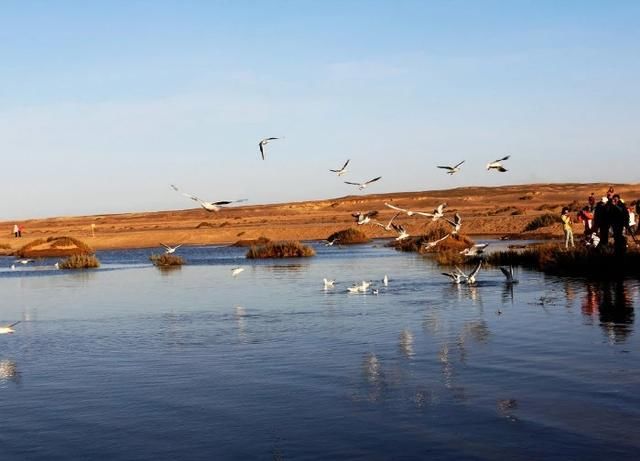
column 496, row 211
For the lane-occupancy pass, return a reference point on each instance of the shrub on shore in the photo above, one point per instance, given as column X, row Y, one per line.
column 545, row 220
column 454, row 243
column 349, row 236
column 284, row 249
column 251, row 242
column 54, row 247
column 80, row 261
column 166, row 260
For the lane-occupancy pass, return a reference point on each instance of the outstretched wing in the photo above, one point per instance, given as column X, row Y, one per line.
column 373, row 180
column 345, row 164
column 371, row 214
column 458, row 219
column 174, row 187
column 261, row 145
column 14, row 324
column 352, row 183
column 502, row 159
column 476, row 269
column 445, row 167
column 459, row 164
column 393, row 207
column 501, row 169
column 506, row 272
column 167, row 247
column 192, row 197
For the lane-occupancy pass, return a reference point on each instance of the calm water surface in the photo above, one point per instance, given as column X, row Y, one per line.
column 132, row 363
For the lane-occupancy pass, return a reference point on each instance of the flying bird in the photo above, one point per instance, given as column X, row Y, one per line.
column 364, row 218
column 330, row 243
column 408, row 212
column 475, row 250
column 456, row 223
column 389, row 225
column 402, row 232
column 363, row 185
column 342, row 171
column 508, row 273
column 471, row 277
column 429, row 245
column 263, row 143
column 452, row 169
column 236, row 270
column 170, row 250
column 7, row 330
column 209, row 206
column 497, row 164
column 456, row 277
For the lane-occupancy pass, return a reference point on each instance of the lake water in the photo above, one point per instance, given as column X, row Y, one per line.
column 132, row 363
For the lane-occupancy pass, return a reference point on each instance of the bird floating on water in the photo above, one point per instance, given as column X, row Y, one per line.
column 342, row 171
column 328, row 283
column 471, row 277
column 497, row 164
column 452, row 169
column 363, row 185
column 7, row 330
column 385, row 280
column 263, row 143
column 170, row 250
column 236, row 270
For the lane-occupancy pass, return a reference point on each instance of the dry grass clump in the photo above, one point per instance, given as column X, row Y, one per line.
column 251, row 242
column 166, row 260
column 555, row 259
column 349, row 236
column 450, row 258
column 454, row 243
column 284, row 249
column 205, row 224
column 81, row 261
column 542, row 221
column 53, row 247
column 5, row 246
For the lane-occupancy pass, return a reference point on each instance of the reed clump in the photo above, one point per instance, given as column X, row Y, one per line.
column 544, row 220
column 284, row 249
column 349, row 236
column 80, row 261
column 251, row 242
column 53, row 247
column 166, row 260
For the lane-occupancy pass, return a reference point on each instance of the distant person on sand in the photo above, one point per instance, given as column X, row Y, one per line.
column 601, row 221
column 16, row 231
column 20, row 228
column 619, row 220
column 586, row 216
column 566, row 225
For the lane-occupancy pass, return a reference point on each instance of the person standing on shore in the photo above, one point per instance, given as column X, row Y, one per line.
column 19, row 230
column 619, row 220
column 566, row 226
column 16, row 230
column 601, row 221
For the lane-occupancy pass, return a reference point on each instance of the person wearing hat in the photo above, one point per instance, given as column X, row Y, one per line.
column 601, row 221
column 566, row 226
column 619, row 220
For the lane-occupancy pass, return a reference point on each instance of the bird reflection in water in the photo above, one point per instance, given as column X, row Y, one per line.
column 406, row 344
column 240, row 315
column 9, row 372
column 374, row 375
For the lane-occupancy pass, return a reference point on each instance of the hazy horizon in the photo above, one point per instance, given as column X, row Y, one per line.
column 104, row 105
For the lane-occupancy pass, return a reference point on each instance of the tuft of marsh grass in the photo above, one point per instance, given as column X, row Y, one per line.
column 54, row 247
column 251, row 242
column 166, row 260
column 545, row 220
column 349, row 236
column 284, row 249
column 81, row 261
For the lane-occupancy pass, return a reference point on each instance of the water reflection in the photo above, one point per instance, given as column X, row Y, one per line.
column 613, row 304
column 9, row 372
column 374, row 375
column 406, row 344
column 242, row 323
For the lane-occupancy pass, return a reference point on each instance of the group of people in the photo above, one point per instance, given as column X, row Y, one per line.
column 17, row 230
column 610, row 215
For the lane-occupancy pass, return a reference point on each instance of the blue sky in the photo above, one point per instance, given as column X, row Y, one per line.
column 104, row 104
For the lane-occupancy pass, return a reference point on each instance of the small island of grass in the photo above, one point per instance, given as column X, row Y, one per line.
column 80, row 261
column 284, row 249
column 166, row 260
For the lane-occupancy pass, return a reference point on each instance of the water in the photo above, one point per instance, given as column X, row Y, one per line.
column 132, row 363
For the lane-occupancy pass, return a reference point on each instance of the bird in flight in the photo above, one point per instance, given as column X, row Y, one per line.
column 363, row 185
column 456, row 223
column 452, row 169
column 389, row 225
column 263, row 143
column 342, row 171
column 471, row 277
column 475, row 250
column 497, row 164
column 236, row 270
column 402, row 232
column 209, row 206
column 364, row 218
column 170, row 250
column 429, row 245
column 7, row 330
column 330, row 243
column 408, row 212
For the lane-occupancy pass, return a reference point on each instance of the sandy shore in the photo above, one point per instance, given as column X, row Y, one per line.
column 485, row 211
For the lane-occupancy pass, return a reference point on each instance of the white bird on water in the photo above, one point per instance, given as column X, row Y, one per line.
column 471, row 277
column 456, row 276
column 497, row 164
column 363, row 185
column 342, row 171
column 328, row 283
column 364, row 218
column 236, row 270
column 330, row 243
column 452, row 169
column 508, row 273
column 385, row 280
column 7, row 330
column 24, row 261
column 263, row 143
column 170, row 250
column 209, row 206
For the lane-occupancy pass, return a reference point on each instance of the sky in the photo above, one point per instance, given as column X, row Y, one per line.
column 104, row 104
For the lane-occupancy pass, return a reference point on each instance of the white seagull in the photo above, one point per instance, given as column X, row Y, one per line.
column 404, row 210
column 328, row 283
column 24, row 261
column 389, row 225
column 471, row 277
column 508, row 273
column 456, row 277
column 236, row 270
column 263, row 143
column 429, row 245
column 209, row 206
column 170, row 250
column 402, row 232
column 330, row 243
column 475, row 250
column 364, row 218
column 497, row 165
column 362, row 185
column 385, row 280
column 456, row 223
column 452, row 169
column 438, row 212
column 7, row 330
column 342, row 171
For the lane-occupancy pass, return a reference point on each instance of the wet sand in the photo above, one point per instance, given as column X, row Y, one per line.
column 497, row 211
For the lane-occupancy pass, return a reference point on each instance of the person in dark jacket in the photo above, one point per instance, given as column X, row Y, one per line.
column 619, row 221
column 601, row 221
